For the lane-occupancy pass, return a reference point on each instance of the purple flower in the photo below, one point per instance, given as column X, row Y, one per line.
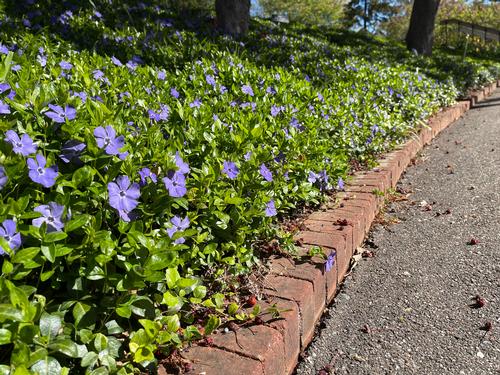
column 9, row 234
column 178, row 225
column 312, row 177
column 4, row 87
column 275, row 110
column 39, row 174
column 98, row 74
column 106, row 138
column 66, row 65
column 23, row 145
column 3, row 177
column 248, row 155
column 174, row 93
column 210, row 79
column 270, row 208
column 271, row 90
column 116, row 61
column 4, row 108
column 42, row 59
column 60, row 115
column 123, row 196
column 330, row 261
column 51, row 215
column 161, row 75
column 71, row 151
column 162, row 115
column 196, row 103
column 266, row 173
column 11, row 95
column 146, row 173
column 16, row 68
column 230, row 170
column 340, row 184
column 175, row 182
column 4, row 49
column 181, row 164
column 82, row 95
column 246, row 89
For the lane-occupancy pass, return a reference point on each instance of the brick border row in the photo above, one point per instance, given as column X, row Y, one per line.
column 305, row 289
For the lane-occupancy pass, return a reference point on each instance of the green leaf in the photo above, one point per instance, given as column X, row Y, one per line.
column 77, row 222
column 172, row 323
column 49, row 252
column 66, row 347
column 7, row 312
column 113, row 327
column 100, row 342
column 50, row 324
column 212, row 324
column 54, row 237
column 89, row 359
column 5, row 336
column 232, row 308
column 47, row 366
column 124, row 311
column 171, row 277
column 143, row 354
column 79, row 311
column 161, row 260
column 25, row 255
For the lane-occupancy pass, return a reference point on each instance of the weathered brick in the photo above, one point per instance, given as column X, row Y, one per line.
column 299, row 291
column 304, row 271
column 287, row 324
column 259, row 342
column 211, row 361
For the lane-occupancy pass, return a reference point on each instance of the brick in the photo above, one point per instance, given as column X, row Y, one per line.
column 331, row 276
column 259, row 342
column 356, row 221
column 304, row 271
column 288, row 325
column 299, row 291
column 211, row 361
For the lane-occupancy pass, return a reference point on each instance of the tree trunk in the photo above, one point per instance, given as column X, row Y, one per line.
column 421, row 31
column 233, row 16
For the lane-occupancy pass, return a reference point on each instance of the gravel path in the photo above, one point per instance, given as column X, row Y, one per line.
column 410, row 309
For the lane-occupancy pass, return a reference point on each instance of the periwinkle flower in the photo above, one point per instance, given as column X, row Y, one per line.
column 266, row 173
column 175, row 182
column 161, row 75
column 161, row 115
column 270, row 208
column 195, row 104
column 71, row 151
column 39, row 174
column 178, row 225
column 247, row 89
column 116, row 61
column 275, row 110
column 106, row 138
column 9, row 234
column 60, row 115
column 210, row 79
column 146, row 173
column 330, row 261
column 181, row 164
column 23, row 145
column 66, row 65
column 123, row 196
column 230, row 169
column 3, row 177
column 174, row 93
column 51, row 215
column 340, row 184
column 4, row 108
column 4, row 87
column 248, row 155
column 16, row 68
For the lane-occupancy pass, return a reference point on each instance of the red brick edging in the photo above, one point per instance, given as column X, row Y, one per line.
column 304, row 289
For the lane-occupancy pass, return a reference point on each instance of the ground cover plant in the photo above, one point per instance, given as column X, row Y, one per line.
column 142, row 164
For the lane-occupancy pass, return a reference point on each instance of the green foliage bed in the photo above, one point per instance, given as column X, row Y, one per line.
column 143, row 160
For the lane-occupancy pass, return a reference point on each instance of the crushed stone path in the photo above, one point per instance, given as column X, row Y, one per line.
column 411, row 309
